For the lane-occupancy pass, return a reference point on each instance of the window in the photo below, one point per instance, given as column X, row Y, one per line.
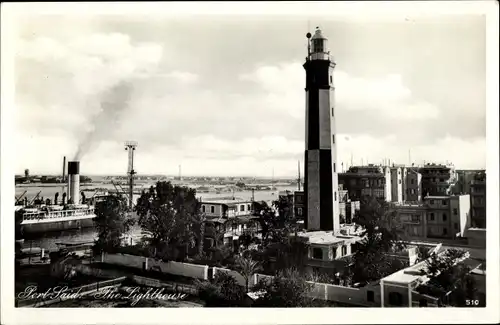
column 299, row 211
column 395, row 299
column 333, row 111
column 331, row 79
column 412, row 181
column 399, row 181
column 456, row 225
column 432, row 216
column 445, row 202
column 335, row 196
column 344, row 250
column 444, row 216
column 248, row 207
column 202, row 208
column 415, row 218
column 242, row 207
column 317, row 253
column 333, row 138
column 334, row 168
column 212, row 209
column 445, row 231
column 422, row 303
column 370, row 296
column 455, row 212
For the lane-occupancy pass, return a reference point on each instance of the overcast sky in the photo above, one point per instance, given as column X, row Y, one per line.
column 224, row 95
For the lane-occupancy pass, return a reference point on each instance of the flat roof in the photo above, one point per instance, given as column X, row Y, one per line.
column 438, row 197
column 224, row 201
column 326, row 237
column 477, row 229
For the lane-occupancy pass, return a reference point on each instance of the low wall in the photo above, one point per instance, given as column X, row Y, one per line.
column 140, row 262
column 318, row 290
column 177, row 268
column 355, row 296
column 123, row 259
column 330, row 292
column 173, row 287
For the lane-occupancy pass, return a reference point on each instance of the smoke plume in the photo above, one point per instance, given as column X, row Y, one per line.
column 113, row 102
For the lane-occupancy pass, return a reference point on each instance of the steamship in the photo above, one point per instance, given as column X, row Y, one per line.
column 47, row 217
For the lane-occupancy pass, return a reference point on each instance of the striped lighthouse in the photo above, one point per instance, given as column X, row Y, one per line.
column 321, row 178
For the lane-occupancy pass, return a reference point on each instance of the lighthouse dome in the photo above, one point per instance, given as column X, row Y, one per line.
column 318, row 34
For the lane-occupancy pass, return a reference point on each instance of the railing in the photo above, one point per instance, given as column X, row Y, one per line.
column 57, row 214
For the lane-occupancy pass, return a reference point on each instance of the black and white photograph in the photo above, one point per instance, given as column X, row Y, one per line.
column 245, row 158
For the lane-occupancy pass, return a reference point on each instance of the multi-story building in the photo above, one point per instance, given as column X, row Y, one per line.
column 447, row 216
column 227, row 208
column 435, row 217
column 478, row 200
column 363, row 181
column 438, row 179
column 412, row 185
column 227, row 219
column 397, row 184
column 464, row 180
column 413, row 219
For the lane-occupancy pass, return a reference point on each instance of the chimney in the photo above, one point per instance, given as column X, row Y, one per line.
column 64, row 169
column 74, row 181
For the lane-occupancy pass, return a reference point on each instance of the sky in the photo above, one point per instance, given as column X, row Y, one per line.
column 224, row 95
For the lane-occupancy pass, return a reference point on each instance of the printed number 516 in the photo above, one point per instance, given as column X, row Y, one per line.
column 472, row 302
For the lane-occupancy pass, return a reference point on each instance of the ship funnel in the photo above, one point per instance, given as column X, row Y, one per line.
column 74, row 182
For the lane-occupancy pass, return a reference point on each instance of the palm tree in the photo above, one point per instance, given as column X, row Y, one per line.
column 247, row 267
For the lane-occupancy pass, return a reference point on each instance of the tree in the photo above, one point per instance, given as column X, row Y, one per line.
column 247, row 268
column 170, row 217
column 381, row 235
column 240, row 185
column 222, row 291
column 450, row 280
column 287, row 289
column 245, row 240
column 277, row 222
column 292, row 252
column 112, row 222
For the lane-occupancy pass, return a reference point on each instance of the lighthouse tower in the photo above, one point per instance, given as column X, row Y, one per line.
column 321, row 178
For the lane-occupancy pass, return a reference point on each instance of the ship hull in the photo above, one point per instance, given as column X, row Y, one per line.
column 41, row 227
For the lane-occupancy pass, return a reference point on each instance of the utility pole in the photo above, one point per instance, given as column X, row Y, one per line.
column 130, row 146
column 298, row 180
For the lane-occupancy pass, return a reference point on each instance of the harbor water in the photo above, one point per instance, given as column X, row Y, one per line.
column 49, row 241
